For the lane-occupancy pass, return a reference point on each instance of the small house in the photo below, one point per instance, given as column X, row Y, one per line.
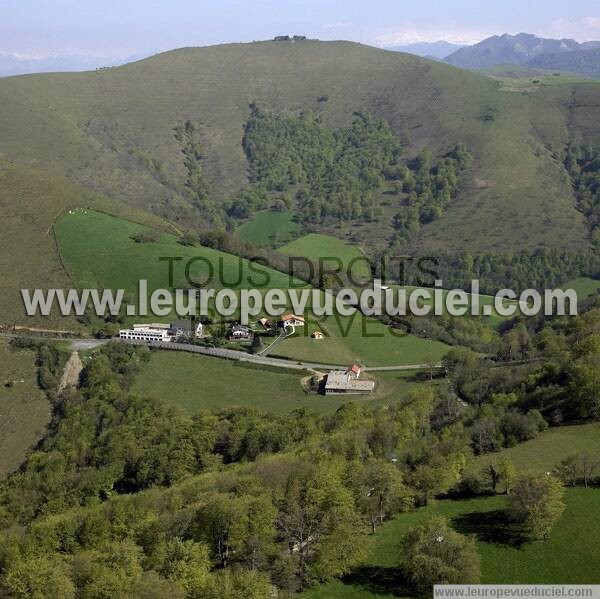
column 317, row 335
column 354, row 371
column 239, row 332
column 265, row 323
column 292, row 320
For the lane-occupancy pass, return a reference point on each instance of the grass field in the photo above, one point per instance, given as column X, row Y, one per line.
column 24, row 410
column 569, row 556
column 316, row 247
column 99, row 253
column 549, row 448
column 359, row 339
column 584, row 286
column 269, row 228
column 197, row 382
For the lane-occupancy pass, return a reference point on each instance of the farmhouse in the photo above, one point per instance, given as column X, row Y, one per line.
column 346, row 382
column 239, row 332
column 292, row 320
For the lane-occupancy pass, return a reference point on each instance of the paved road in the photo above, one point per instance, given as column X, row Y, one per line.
column 231, row 354
column 80, row 344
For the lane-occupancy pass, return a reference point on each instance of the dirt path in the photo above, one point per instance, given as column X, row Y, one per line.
column 70, row 375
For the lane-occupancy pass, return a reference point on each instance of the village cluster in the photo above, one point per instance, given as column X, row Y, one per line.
column 337, row 382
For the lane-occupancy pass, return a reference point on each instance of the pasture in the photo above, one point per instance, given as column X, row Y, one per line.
column 196, row 382
column 544, row 452
column 329, row 249
column 268, row 227
column 505, row 559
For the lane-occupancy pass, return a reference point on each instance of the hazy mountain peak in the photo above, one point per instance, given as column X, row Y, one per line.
column 516, row 49
column 438, row 50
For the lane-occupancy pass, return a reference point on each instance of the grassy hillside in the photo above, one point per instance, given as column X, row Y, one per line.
column 113, row 130
column 24, row 410
column 546, row 451
column 584, row 286
column 98, row 251
column 316, row 246
column 564, row 559
column 269, row 227
column 30, row 202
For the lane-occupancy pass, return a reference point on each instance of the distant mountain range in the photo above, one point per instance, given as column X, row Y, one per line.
column 529, row 50
column 13, row 64
column 581, row 62
column 437, row 50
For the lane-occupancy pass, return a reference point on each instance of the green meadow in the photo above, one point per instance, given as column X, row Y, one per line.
column 99, row 252
column 567, row 558
column 544, row 452
column 196, row 382
column 269, row 228
column 584, row 287
column 316, row 247
column 359, row 339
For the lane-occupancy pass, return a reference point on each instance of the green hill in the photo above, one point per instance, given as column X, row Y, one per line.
column 30, row 202
column 113, row 131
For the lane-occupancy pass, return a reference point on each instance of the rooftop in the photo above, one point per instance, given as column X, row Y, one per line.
column 339, row 379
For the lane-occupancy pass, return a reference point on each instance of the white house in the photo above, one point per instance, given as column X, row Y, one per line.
column 292, row 320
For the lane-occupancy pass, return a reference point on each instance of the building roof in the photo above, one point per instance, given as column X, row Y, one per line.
column 339, row 379
column 184, row 325
column 240, row 328
column 152, row 325
column 355, row 368
column 291, row 316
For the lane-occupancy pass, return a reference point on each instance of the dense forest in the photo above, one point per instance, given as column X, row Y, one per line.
column 128, row 497
column 536, row 269
column 334, row 173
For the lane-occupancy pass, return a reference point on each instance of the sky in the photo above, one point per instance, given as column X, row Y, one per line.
column 122, row 28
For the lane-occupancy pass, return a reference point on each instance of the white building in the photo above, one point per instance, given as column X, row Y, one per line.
column 292, row 320
column 146, row 334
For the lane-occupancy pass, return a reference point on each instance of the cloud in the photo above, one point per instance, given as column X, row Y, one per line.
column 411, row 33
column 584, row 29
